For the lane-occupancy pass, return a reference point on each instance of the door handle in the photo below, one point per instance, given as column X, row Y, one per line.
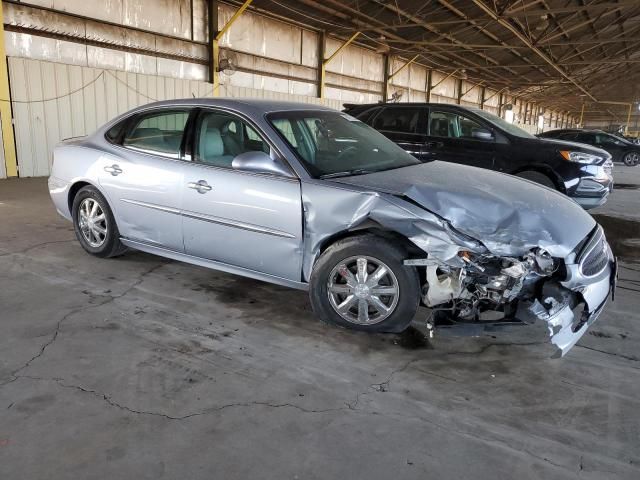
column 114, row 170
column 434, row 144
column 201, row 186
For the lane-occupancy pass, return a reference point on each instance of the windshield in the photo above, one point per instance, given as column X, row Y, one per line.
column 502, row 123
column 334, row 144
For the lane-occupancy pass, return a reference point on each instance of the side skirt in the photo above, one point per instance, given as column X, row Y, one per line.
column 214, row 265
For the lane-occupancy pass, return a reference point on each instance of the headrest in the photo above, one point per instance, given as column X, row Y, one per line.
column 210, row 142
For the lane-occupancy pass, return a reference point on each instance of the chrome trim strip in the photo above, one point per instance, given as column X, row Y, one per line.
column 153, row 206
column 211, row 219
column 232, row 223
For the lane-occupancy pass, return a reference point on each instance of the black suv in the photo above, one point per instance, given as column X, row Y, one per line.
column 621, row 149
column 433, row 131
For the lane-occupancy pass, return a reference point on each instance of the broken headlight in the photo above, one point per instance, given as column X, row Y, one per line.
column 544, row 262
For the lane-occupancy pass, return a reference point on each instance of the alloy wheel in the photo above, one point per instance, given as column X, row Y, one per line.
column 92, row 222
column 631, row 159
column 363, row 290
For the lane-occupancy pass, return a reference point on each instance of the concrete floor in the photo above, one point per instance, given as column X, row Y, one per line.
column 139, row 367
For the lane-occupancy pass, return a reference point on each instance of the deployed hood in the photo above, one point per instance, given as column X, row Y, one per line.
column 509, row 215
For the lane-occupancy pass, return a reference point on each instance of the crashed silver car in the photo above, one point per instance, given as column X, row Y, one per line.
column 311, row 198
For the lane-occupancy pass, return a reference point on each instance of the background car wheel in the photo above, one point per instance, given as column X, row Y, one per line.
column 631, row 159
column 361, row 283
column 94, row 224
column 537, row 177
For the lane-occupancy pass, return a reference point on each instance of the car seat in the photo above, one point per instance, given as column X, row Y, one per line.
column 211, row 151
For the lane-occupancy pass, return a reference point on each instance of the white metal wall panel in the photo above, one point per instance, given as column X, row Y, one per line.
column 53, row 101
column 171, row 17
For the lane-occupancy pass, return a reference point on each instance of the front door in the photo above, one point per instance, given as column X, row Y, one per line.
column 456, row 138
column 243, row 219
column 142, row 176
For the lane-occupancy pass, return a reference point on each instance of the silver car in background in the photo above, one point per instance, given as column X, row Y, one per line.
column 310, row 198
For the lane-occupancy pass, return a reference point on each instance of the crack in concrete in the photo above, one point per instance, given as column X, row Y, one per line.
column 110, row 401
column 382, row 386
column 54, row 336
column 613, row 354
column 32, row 247
column 213, row 410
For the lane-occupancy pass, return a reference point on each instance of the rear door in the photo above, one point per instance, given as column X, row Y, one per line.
column 455, row 137
column 404, row 125
column 143, row 177
column 244, row 219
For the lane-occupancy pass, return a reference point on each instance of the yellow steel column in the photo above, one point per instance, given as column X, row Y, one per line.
column 8, row 141
column 215, row 45
column 581, row 115
column 331, row 57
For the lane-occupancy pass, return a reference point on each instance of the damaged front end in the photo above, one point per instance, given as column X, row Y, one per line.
column 479, row 289
column 491, row 249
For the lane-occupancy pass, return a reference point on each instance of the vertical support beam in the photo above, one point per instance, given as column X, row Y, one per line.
column 386, row 78
column 482, row 92
column 322, row 46
column 215, row 35
column 626, row 128
column 429, row 84
column 213, row 44
column 459, row 91
column 500, row 104
column 520, row 119
column 325, row 61
column 8, row 141
column 582, row 115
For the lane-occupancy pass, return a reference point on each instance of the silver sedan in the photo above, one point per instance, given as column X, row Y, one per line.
column 311, row 198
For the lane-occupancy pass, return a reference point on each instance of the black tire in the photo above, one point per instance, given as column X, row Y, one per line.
column 537, row 177
column 631, row 159
column 376, row 248
column 111, row 246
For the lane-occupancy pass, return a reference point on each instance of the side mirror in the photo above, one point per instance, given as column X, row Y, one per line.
column 482, row 134
column 259, row 162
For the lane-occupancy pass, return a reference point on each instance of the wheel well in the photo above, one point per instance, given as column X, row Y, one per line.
column 73, row 191
column 372, row 228
column 550, row 174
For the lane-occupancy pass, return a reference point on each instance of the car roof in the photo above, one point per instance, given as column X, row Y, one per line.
column 241, row 104
column 407, row 104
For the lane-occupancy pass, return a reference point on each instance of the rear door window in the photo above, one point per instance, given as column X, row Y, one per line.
column 398, row 119
column 452, row 125
column 158, row 133
column 586, row 138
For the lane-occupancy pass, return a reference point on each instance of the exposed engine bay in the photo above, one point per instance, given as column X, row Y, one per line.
column 484, row 283
column 491, row 290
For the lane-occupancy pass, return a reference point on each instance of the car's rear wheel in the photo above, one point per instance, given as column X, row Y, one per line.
column 361, row 283
column 631, row 159
column 95, row 225
column 537, row 177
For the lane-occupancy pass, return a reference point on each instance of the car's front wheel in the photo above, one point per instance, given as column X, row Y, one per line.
column 95, row 225
column 631, row 159
column 361, row 283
